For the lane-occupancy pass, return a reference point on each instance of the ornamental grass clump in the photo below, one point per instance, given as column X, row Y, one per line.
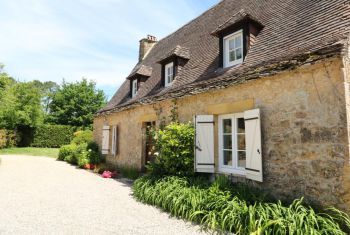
column 221, row 207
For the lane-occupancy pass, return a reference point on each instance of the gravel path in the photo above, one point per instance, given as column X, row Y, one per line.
column 40, row 195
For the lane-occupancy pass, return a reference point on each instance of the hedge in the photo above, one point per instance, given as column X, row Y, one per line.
column 52, row 136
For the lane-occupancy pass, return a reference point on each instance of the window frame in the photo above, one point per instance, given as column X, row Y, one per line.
column 134, row 88
column 234, row 169
column 226, row 49
column 166, row 74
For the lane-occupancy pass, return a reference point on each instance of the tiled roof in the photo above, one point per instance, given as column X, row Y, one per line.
column 141, row 70
column 291, row 28
column 178, row 51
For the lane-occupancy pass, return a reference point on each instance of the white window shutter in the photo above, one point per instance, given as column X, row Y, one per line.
column 204, row 144
column 105, row 140
column 114, row 140
column 253, row 145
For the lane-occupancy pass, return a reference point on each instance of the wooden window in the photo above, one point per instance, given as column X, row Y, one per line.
column 204, row 144
column 233, row 49
column 169, row 74
column 134, row 88
column 105, row 140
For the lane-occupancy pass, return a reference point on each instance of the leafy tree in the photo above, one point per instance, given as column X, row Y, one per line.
column 20, row 106
column 75, row 103
column 47, row 90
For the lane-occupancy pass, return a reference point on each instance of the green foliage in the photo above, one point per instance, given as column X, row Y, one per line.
column 174, row 145
column 81, row 137
column 129, row 172
column 20, row 105
column 220, row 207
column 66, row 152
column 47, row 90
column 82, row 150
column 75, row 104
column 8, row 139
column 52, row 136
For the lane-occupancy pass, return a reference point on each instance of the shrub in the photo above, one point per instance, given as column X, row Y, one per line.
column 8, row 139
column 217, row 208
column 66, row 152
column 174, row 145
column 129, row 172
column 81, row 137
column 52, row 136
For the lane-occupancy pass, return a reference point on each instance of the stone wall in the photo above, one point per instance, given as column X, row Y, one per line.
column 304, row 127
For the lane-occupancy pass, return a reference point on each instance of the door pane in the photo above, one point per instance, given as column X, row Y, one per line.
column 227, row 158
column 241, row 159
column 240, row 125
column 227, row 141
column 227, row 126
column 241, row 142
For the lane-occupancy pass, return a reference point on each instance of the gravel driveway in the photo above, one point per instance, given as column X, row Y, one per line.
column 40, row 195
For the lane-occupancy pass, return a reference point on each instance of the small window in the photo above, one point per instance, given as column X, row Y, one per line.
column 169, row 74
column 232, row 145
column 233, row 49
column 134, row 88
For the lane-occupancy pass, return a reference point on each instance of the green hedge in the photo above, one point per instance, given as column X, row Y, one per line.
column 52, row 136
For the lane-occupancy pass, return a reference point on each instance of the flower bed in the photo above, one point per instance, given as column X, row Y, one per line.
column 239, row 209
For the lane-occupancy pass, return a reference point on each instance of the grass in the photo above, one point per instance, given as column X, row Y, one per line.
column 224, row 207
column 47, row 152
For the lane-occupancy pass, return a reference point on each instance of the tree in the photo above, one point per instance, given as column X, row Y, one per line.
column 47, row 90
column 20, row 106
column 75, row 103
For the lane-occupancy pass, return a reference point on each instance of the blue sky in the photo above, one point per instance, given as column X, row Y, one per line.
column 95, row 39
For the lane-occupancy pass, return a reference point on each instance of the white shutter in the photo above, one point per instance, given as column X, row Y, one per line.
column 105, row 140
column 114, row 140
column 204, row 144
column 253, row 145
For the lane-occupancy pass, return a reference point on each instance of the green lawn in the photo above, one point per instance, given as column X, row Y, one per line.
column 48, row 152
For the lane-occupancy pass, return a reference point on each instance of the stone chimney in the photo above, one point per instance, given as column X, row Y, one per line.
column 146, row 45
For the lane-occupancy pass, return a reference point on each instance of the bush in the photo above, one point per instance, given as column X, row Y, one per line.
column 129, row 172
column 52, row 136
column 8, row 139
column 174, row 145
column 81, row 137
column 219, row 207
column 66, row 151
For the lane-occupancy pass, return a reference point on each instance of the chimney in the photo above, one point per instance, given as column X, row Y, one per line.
column 146, row 45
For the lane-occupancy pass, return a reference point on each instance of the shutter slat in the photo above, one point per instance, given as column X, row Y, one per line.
column 253, row 145
column 204, row 144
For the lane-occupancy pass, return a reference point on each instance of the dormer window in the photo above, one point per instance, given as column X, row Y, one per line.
column 169, row 74
column 134, row 88
column 233, row 49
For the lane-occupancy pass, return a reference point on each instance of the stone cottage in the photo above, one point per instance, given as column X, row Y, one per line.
column 266, row 84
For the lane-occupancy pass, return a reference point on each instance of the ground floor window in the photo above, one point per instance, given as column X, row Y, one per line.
column 232, row 146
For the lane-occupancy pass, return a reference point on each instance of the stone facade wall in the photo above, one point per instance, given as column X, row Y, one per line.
column 304, row 128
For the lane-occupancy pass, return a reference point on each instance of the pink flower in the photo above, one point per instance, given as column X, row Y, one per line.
column 107, row 174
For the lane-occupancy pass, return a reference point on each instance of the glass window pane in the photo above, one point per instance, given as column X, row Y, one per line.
column 240, row 125
column 231, row 44
column 241, row 159
column 227, row 126
column 238, row 41
column 227, row 142
column 228, row 158
column 239, row 53
column 232, row 56
column 241, row 142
